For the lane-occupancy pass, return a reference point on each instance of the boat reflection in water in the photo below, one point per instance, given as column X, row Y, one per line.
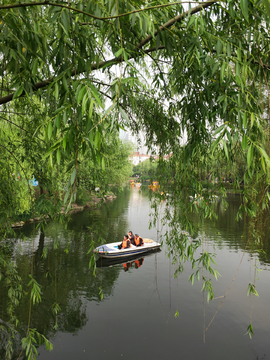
column 134, row 261
column 137, row 263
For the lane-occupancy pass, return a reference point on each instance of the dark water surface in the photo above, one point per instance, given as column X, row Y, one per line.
column 136, row 318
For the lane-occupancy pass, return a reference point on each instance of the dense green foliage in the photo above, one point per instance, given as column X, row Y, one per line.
column 146, row 169
column 73, row 74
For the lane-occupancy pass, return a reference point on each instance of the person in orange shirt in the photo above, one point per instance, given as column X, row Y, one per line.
column 125, row 243
column 138, row 240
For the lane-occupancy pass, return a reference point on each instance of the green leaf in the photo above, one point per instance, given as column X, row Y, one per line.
column 80, row 94
column 225, row 149
column 57, row 121
column 252, row 118
column 229, row 49
column 90, row 109
column 222, row 71
column 250, row 331
column 244, row 8
column 58, row 156
column 18, row 92
column 229, row 137
column 263, row 164
column 126, row 55
column 35, row 66
column 56, row 90
column 133, row 19
column 239, row 55
column 65, row 20
column 64, row 117
column 100, row 293
column 124, row 114
column 245, row 120
column 73, row 176
column 191, row 278
column 215, row 67
column 64, row 143
column 129, row 79
column 52, row 148
column 244, row 142
column 218, row 130
column 191, row 21
column 85, row 98
column 250, row 155
column 219, row 46
column 96, row 95
column 267, row 6
column 66, row 196
column 70, row 165
column 265, row 158
column 119, row 52
column 215, row 143
column 65, row 83
column 13, row 54
column 103, row 163
column 49, row 130
column 97, row 138
column 235, row 137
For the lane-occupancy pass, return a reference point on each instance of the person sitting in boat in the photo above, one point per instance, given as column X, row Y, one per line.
column 131, row 238
column 138, row 240
column 125, row 243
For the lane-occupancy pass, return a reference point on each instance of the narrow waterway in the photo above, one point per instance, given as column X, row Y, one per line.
column 149, row 309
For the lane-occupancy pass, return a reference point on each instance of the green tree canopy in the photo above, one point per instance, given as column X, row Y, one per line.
column 194, row 73
column 183, row 72
column 166, row 67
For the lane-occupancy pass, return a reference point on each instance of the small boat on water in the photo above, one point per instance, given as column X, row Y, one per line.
column 155, row 185
column 111, row 251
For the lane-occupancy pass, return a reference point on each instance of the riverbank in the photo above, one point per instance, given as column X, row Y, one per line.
column 92, row 202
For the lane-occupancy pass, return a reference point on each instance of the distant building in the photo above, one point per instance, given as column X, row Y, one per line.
column 139, row 145
column 136, row 158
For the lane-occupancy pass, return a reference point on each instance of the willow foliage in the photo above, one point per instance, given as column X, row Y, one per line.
column 168, row 68
column 192, row 73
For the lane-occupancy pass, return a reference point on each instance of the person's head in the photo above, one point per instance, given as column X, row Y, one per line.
column 130, row 233
column 125, row 237
column 136, row 235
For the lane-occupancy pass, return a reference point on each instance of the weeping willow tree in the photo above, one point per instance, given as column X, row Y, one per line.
column 194, row 76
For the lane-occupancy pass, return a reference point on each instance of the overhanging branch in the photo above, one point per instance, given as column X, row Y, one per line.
column 119, row 59
column 44, row 84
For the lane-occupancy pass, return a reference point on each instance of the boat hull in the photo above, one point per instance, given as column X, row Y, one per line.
column 111, row 251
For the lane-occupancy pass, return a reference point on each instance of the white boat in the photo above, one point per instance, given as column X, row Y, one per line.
column 111, row 251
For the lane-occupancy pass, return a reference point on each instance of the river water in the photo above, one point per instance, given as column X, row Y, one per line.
column 149, row 309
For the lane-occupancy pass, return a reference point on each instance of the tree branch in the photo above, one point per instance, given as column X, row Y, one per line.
column 12, row 6
column 45, row 83
column 119, row 59
column 116, row 60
